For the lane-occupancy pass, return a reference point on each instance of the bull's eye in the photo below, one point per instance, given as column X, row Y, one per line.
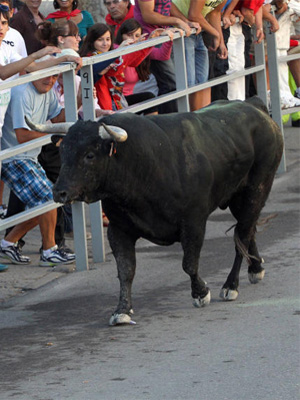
column 90, row 156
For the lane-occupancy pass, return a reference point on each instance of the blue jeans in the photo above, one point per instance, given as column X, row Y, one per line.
column 196, row 56
column 164, row 73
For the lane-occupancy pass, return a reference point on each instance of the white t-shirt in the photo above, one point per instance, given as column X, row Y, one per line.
column 7, row 56
column 14, row 39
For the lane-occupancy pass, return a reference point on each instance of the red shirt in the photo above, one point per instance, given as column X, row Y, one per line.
column 251, row 4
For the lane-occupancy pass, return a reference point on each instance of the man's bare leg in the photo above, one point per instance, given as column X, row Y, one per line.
column 21, row 229
column 47, row 224
column 200, row 99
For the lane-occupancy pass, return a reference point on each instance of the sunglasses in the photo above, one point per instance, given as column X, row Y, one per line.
column 109, row 3
column 4, row 8
column 75, row 35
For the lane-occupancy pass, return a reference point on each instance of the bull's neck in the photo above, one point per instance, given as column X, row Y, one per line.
column 125, row 177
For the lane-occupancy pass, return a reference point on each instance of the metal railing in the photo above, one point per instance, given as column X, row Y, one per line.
column 181, row 94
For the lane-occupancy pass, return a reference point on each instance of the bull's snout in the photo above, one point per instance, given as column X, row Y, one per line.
column 60, row 196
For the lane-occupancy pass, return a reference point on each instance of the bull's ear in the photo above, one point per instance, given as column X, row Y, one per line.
column 109, row 146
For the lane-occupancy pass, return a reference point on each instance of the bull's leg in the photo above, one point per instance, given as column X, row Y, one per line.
column 246, row 207
column 123, row 248
column 229, row 290
column 191, row 242
column 256, row 272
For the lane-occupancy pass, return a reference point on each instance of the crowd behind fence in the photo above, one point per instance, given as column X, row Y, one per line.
column 182, row 96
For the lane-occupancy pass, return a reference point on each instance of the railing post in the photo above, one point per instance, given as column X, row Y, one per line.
column 87, row 84
column 275, row 89
column 261, row 80
column 78, row 213
column 180, row 72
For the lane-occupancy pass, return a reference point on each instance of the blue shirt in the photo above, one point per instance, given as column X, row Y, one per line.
column 38, row 107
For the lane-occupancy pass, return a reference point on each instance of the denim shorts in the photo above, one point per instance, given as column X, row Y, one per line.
column 28, row 180
column 196, row 57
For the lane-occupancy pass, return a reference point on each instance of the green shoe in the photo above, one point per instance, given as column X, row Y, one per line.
column 285, row 118
column 3, row 268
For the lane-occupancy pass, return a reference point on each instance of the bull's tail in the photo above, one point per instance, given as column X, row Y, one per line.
column 258, row 103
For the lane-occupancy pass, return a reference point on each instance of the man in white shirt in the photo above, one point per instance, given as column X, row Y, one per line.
column 13, row 37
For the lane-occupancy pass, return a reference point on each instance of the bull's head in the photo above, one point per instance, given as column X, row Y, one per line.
column 85, row 152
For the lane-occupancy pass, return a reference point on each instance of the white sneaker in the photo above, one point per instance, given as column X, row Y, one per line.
column 56, row 257
column 14, row 255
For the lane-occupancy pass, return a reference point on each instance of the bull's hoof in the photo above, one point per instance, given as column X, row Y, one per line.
column 202, row 302
column 121, row 319
column 228, row 294
column 256, row 277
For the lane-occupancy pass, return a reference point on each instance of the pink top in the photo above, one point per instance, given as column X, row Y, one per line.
column 131, row 76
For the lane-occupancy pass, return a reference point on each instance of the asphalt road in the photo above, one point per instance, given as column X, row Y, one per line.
column 56, row 343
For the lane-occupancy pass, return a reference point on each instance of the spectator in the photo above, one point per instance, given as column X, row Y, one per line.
column 65, row 36
column 235, row 43
column 283, row 14
column 68, row 11
column 24, row 174
column 13, row 37
column 140, row 79
column 208, row 17
column 237, row 23
column 26, row 21
column 118, row 12
column 11, row 63
column 110, row 86
column 153, row 14
column 50, row 161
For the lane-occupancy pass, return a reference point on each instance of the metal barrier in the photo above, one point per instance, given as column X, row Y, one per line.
column 181, row 94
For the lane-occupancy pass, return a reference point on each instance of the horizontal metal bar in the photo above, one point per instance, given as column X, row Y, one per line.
column 43, row 73
column 289, row 57
column 127, row 49
column 22, row 148
column 291, row 110
column 28, row 214
column 192, row 89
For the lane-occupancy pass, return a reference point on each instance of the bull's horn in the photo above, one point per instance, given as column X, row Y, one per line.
column 108, row 131
column 62, row 127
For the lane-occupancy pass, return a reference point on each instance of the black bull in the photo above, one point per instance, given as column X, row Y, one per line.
column 175, row 169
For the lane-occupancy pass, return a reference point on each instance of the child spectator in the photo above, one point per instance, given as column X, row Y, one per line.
column 140, row 79
column 110, row 85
